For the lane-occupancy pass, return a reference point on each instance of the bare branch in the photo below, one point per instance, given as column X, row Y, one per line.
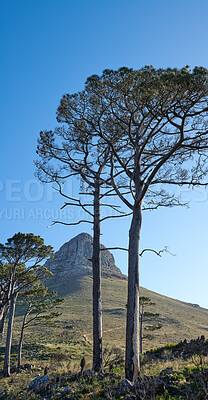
column 114, row 248
column 79, row 204
column 180, row 183
column 158, row 253
column 116, row 216
column 70, row 224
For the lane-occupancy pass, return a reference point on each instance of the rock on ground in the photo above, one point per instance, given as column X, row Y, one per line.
column 39, row 384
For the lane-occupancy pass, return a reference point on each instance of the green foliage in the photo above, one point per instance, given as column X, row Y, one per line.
column 40, row 304
column 20, row 260
column 40, row 309
column 167, row 396
column 189, row 370
column 111, row 109
column 178, row 377
column 20, row 257
column 149, row 321
column 22, row 248
column 161, row 349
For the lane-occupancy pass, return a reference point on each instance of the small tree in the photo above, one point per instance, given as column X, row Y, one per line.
column 22, row 255
column 147, row 317
column 40, row 309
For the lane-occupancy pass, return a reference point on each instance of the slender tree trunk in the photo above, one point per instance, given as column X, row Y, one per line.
column 6, row 370
column 132, row 365
column 21, row 340
column 96, row 265
column 2, row 320
column 141, row 331
column 5, row 307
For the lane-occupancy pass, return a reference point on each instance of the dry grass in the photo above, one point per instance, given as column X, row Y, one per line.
column 74, row 326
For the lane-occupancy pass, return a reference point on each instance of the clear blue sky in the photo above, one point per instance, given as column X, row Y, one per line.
column 50, row 47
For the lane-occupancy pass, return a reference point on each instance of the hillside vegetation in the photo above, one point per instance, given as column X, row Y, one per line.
column 176, row 366
column 180, row 320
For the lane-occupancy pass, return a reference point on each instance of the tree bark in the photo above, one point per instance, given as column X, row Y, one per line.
column 96, row 265
column 21, row 340
column 141, row 331
column 6, row 370
column 2, row 320
column 132, row 365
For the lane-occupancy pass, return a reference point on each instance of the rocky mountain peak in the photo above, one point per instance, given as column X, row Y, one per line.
column 73, row 258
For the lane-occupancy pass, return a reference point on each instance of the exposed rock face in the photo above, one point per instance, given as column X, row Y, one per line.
column 73, row 258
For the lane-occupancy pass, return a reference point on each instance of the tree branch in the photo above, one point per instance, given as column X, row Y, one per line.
column 70, row 224
column 158, row 253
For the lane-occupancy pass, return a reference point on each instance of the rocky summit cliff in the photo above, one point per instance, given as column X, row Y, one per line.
column 73, row 258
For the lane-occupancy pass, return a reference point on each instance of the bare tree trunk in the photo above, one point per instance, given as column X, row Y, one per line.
column 2, row 320
column 5, row 305
column 21, row 340
column 96, row 265
column 141, row 331
column 132, row 365
column 6, row 369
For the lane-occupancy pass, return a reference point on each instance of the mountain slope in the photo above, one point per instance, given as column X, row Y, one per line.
column 73, row 281
column 180, row 320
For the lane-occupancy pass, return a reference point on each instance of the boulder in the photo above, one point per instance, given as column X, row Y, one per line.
column 149, row 386
column 39, row 384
